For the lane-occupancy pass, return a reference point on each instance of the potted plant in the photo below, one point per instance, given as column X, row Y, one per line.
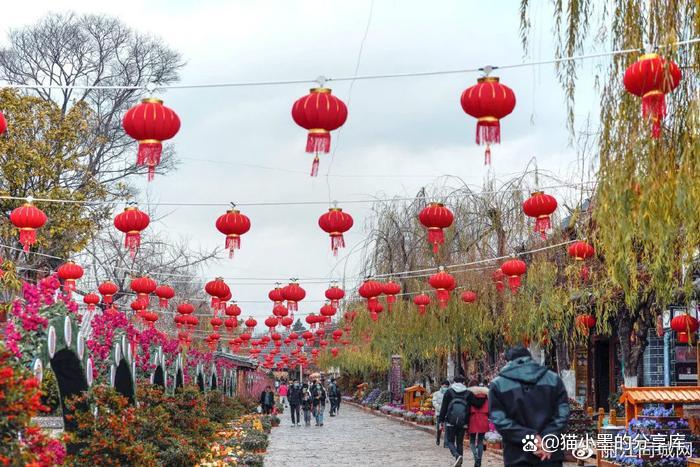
column 493, row 439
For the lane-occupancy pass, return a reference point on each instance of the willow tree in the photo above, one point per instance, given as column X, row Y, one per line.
column 488, row 224
column 647, row 224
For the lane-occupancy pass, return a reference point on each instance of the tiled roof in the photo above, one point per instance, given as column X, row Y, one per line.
column 661, row 394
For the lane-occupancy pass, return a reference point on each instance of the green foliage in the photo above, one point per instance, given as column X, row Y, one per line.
column 50, row 396
column 254, row 441
column 45, row 155
column 222, row 409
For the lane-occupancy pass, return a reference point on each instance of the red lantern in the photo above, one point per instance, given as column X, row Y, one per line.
column 185, row 308
column 231, row 324
column 216, row 323
column 233, row 224
column 132, row 222
column 143, row 287
column 251, row 323
column 335, row 223
column 91, row 300
column 164, row 294
column 271, row 323
column 421, row 301
column 217, row 289
column 149, row 317
column 150, row 123
column 469, row 296
column 107, row 289
column 334, row 351
column 651, row 77
column 327, row 311
column 27, row 218
column 311, row 320
column 581, row 251
column 585, row 322
column 286, row 321
column 192, row 321
column 138, row 305
column 436, row 217
column 69, row 272
column 514, row 268
column 540, row 206
column 337, row 334
column 335, row 294
column 276, row 295
column 3, row 124
column 293, row 294
column 488, row 101
column 391, row 289
column 443, row 283
column 320, row 113
column 370, row 290
column 233, row 310
column 280, row 311
column 685, row 325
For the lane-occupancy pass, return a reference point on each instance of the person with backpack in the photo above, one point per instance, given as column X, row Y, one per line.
column 454, row 416
column 527, row 402
column 295, row 393
column 478, row 419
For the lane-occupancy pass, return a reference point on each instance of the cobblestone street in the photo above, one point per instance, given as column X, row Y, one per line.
column 356, row 438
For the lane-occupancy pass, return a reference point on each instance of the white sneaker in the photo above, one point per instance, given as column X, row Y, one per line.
column 458, row 462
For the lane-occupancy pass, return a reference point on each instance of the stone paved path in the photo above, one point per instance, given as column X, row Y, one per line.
column 356, row 438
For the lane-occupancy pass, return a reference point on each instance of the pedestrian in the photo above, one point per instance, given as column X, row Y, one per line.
column 334, row 397
column 318, row 398
column 478, row 419
column 454, row 416
column 527, row 402
column 282, row 391
column 437, row 402
column 267, row 400
column 306, row 404
column 295, row 402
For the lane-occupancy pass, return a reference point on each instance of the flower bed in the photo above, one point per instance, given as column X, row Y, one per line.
column 243, row 442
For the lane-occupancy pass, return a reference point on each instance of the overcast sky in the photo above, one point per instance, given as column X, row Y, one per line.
column 240, row 144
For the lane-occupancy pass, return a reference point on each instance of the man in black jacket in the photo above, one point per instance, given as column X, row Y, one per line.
column 527, row 402
column 334, row 397
column 454, row 416
column 294, row 397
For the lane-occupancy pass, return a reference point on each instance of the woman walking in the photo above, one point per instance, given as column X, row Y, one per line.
column 478, row 419
column 318, row 398
column 306, row 404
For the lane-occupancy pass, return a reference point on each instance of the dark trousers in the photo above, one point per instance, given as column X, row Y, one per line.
column 296, row 415
column 267, row 409
column 476, row 443
column 454, row 439
column 335, row 402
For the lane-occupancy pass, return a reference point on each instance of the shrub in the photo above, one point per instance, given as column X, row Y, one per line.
column 50, row 396
column 254, row 441
column 221, row 409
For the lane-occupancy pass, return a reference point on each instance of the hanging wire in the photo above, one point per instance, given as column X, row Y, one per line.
column 361, row 77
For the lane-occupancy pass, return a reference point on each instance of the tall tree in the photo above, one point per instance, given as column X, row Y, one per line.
column 647, row 227
column 92, row 50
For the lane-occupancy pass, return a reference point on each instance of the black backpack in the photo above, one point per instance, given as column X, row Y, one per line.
column 458, row 410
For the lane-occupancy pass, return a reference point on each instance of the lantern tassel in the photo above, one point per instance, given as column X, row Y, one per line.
column 314, row 166
column 514, row 283
column 318, row 142
column 291, row 306
column 584, row 273
column 437, row 237
column 233, row 242
column 443, row 296
column 654, row 108
column 27, row 237
column 337, row 241
column 163, row 302
column 149, row 155
column 542, row 225
column 390, row 299
column 488, row 132
column 132, row 242
column 371, row 303
column 487, row 155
